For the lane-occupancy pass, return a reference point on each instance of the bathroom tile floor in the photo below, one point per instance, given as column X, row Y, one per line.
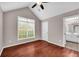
column 72, row 45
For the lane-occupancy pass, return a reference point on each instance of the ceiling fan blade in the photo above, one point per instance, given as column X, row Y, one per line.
column 44, row 2
column 34, row 5
column 42, row 6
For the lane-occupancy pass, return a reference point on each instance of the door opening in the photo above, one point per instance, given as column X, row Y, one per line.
column 71, row 32
column 45, row 30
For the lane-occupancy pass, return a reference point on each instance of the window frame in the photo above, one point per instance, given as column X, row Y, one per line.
column 27, row 34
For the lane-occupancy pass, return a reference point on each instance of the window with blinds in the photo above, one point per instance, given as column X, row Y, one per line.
column 26, row 28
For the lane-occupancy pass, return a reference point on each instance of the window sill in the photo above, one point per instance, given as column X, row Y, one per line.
column 27, row 38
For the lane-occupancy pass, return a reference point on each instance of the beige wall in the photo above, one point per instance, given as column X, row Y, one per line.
column 55, row 28
column 10, row 26
column 1, row 30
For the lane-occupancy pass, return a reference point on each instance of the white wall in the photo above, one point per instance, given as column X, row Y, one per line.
column 10, row 26
column 55, row 30
column 1, row 30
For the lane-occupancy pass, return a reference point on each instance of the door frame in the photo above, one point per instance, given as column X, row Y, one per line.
column 64, row 37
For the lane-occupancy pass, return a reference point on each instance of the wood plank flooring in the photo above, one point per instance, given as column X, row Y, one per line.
column 38, row 48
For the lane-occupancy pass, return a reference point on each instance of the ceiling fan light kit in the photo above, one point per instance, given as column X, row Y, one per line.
column 40, row 4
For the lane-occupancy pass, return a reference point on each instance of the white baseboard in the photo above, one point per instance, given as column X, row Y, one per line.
column 15, row 45
column 1, row 51
column 18, row 43
column 61, row 45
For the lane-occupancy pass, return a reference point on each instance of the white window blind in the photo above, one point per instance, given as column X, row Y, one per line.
column 26, row 28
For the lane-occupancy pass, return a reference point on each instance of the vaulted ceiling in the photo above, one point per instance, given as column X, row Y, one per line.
column 7, row 6
column 51, row 8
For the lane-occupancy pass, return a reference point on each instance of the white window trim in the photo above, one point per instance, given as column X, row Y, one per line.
column 28, row 37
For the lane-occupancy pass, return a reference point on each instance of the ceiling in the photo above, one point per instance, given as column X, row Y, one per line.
column 7, row 6
column 54, row 8
column 51, row 8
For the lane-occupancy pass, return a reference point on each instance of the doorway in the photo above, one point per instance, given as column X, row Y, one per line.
column 45, row 30
column 71, row 32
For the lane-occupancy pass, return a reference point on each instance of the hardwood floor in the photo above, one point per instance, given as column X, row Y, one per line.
column 38, row 48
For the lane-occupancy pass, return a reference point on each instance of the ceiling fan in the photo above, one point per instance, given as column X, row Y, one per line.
column 40, row 4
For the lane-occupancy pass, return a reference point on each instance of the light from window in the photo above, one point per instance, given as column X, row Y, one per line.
column 26, row 28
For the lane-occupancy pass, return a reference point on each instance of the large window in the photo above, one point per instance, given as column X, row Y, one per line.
column 26, row 28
